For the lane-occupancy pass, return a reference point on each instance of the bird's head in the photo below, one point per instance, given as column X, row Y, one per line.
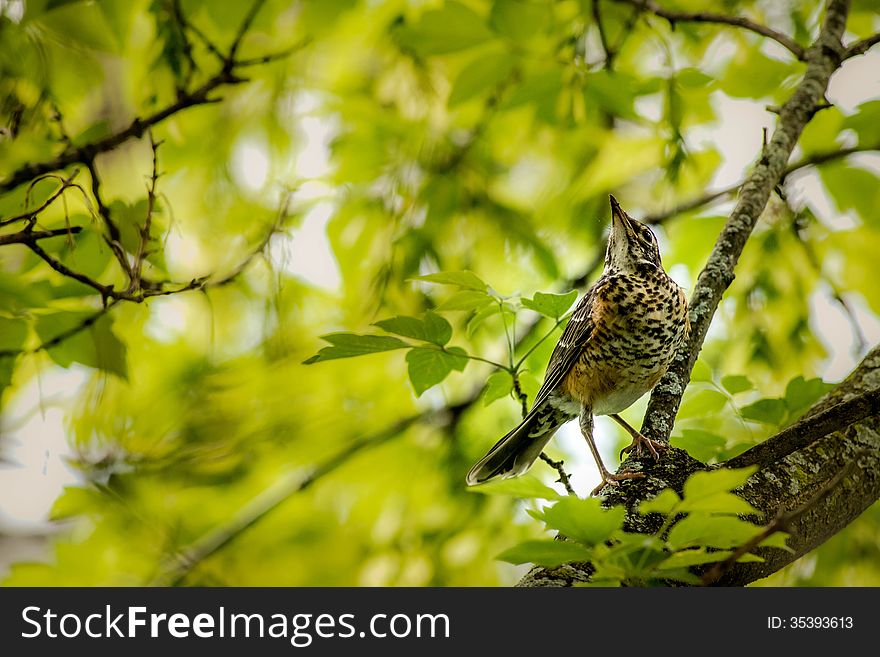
column 631, row 244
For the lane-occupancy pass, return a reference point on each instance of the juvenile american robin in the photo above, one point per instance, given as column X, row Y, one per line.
column 619, row 342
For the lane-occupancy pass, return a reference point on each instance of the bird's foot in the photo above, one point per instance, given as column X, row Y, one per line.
column 614, row 480
column 640, row 441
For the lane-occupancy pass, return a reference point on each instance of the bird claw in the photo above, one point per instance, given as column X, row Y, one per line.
column 654, row 446
column 614, row 480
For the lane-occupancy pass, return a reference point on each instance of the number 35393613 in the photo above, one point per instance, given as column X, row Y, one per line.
column 810, row 623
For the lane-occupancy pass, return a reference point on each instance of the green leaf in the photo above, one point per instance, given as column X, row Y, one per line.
column 768, row 411
column 751, row 74
column 865, row 122
column 663, row 503
column 83, row 339
column 801, row 393
column 736, row 383
column 448, row 29
column 466, row 280
column 481, row 316
column 519, row 20
column 349, row 345
column 13, row 333
column 777, row 540
column 720, row 480
column 702, row 530
column 432, row 328
column 613, row 92
column 551, row 305
column 693, row 557
column 458, row 358
column 526, row 486
column 466, row 300
column 498, row 385
column 75, row 501
column 701, row 371
column 428, row 367
column 480, row 77
column 702, row 445
column 545, row 553
column 702, row 404
column 583, row 520
column 718, row 504
column 693, row 78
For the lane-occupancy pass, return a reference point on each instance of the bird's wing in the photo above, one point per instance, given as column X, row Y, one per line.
column 579, row 330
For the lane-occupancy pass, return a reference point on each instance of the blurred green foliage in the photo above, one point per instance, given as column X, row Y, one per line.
column 342, row 190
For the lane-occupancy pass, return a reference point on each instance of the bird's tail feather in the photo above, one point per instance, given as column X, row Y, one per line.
column 515, row 452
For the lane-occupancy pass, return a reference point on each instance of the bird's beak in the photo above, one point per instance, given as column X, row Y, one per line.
column 619, row 220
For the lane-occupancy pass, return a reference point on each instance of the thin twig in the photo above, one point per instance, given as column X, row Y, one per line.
column 559, row 466
column 674, row 17
column 243, row 27
column 106, row 291
column 114, row 236
column 144, row 231
column 179, row 565
column 603, row 37
column 30, row 214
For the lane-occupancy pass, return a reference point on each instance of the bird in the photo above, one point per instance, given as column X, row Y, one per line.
column 620, row 340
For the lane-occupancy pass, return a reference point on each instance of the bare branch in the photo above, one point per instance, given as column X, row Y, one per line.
column 674, row 17
column 106, row 291
column 861, row 47
column 28, row 236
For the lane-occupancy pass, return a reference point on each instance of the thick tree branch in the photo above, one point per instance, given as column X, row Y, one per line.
column 861, row 47
column 674, row 17
column 823, row 58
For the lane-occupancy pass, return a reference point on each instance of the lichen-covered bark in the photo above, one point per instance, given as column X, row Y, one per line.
column 787, row 483
column 823, row 59
column 794, row 480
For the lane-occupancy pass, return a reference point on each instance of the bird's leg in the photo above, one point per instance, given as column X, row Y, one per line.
column 608, row 478
column 654, row 446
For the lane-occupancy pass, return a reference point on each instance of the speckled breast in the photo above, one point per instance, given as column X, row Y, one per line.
column 640, row 321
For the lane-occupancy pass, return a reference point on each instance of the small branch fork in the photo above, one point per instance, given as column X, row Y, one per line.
column 201, row 95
